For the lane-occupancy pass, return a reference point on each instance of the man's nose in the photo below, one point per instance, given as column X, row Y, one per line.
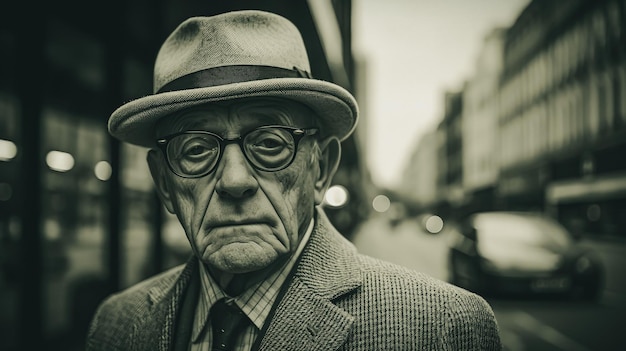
column 235, row 180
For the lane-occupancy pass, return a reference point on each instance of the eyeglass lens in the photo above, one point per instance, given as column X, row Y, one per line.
column 195, row 154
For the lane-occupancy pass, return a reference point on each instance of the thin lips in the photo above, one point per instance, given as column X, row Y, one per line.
column 238, row 223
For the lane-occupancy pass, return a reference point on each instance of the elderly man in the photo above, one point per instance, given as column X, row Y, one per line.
column 243, row 145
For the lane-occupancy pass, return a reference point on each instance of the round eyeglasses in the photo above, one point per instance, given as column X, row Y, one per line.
column 194, row 154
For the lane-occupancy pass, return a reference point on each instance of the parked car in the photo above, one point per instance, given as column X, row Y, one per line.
column 521, row 253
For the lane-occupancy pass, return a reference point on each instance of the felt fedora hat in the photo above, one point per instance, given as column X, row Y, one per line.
column 234, row 55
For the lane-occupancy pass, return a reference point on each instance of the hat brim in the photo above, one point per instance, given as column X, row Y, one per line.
column 335, row 107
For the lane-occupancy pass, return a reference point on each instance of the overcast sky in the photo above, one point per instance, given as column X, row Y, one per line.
column 416, row 50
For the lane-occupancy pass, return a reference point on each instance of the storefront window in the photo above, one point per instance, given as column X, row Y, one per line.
column 74, row 221
column 138, row 216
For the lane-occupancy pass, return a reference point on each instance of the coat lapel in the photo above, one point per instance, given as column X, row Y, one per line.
column 164, row 302
column 306, row 317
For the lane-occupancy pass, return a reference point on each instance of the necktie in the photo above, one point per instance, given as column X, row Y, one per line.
column 228, row 322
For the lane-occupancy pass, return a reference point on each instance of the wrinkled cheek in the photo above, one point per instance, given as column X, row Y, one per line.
column 287, row 179
column 304, row 201
column 192, row 204
column 298, row 191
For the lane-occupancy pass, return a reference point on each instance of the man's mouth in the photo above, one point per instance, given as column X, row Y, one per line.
column 237, row 223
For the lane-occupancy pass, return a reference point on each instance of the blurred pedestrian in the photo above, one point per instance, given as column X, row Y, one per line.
column 243, row 145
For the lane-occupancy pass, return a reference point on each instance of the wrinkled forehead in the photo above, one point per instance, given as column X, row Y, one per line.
column 238, row 114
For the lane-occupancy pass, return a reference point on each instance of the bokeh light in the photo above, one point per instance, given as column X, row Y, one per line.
column 594, row 212
column 5, row 192
column 434, row 224
column 8, row 150
column 103, row 170
column 381, row 203
column 336, row 196
column 60, row 161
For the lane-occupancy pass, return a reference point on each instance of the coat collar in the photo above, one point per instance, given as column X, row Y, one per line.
column 306, row 317
column 173, row 283
column 164, row 303
column 328, row 265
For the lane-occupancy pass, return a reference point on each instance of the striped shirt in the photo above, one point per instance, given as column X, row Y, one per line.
column 256, row 302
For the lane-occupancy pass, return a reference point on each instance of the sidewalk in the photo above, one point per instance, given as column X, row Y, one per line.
column 405, row 244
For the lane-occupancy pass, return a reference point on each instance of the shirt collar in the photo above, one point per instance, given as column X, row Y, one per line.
column 256, row 302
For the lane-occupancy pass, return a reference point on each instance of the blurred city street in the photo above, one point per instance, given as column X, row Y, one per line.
column 528, row 324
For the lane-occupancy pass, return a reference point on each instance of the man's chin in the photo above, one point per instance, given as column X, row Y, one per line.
column 240, row 258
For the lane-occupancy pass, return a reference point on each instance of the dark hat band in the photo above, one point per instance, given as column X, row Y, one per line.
column 231, row 74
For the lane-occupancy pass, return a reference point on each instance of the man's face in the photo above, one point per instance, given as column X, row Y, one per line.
column 239, row 219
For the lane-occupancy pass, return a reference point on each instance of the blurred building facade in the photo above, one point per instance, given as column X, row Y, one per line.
column 544, row 119
column 78, row 215
column 451, row 180
column 480, row 122
column 562, row 113
column 421, row 182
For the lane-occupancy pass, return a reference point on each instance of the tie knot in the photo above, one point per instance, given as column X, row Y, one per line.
column 228, row 322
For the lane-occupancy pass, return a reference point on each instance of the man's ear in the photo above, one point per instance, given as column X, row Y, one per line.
column 330, row 156
column 157, row 166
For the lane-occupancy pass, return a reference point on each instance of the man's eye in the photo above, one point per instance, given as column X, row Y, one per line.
column 270, row 143
column 195, row 150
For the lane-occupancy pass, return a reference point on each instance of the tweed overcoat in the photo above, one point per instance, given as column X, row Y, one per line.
column 336, row 299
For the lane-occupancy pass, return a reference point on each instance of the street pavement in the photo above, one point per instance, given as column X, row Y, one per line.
column 524, row 324
column 404, row 244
